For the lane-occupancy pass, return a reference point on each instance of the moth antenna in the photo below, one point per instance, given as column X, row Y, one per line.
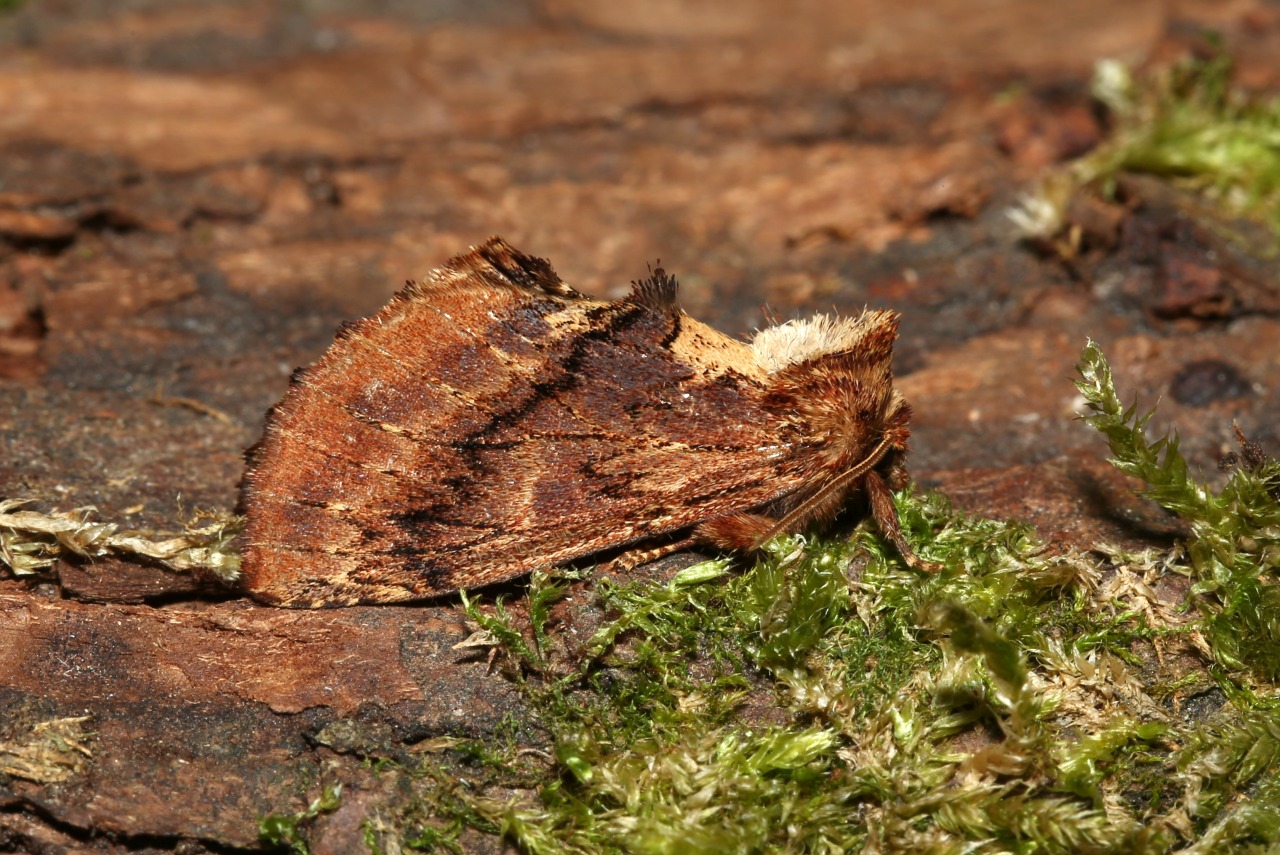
column 840, row 482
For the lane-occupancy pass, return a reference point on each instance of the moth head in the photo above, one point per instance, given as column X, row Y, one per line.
column 831, row 381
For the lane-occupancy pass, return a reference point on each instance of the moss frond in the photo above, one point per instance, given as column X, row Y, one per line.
column 286, row 831
column 1234, row 548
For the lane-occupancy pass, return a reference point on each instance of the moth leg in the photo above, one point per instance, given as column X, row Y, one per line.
column 737, row 532
column 886, row 517
column 636, row 557
column 732, row 533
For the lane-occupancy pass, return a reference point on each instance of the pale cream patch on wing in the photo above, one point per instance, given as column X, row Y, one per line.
column 714, row 352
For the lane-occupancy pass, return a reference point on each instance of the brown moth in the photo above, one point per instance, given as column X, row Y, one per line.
column 490, row 420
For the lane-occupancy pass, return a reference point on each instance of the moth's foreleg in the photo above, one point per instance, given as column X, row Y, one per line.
column 886, row 517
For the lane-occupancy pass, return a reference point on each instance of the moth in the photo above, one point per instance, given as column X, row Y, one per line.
column 491, row 420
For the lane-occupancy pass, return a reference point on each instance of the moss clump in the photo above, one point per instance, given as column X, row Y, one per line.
column 286, row 831
column 1234, row 548
column 1188, row 124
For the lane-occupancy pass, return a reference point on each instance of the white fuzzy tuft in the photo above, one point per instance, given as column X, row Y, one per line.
column 806, row 338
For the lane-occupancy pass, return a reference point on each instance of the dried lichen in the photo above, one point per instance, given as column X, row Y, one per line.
column 31, row 542
column 50, row 752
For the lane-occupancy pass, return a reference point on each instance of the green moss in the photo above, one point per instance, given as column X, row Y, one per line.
column 1188, row 124
column 1235, row 534
column 919, row 710
column 286, row 831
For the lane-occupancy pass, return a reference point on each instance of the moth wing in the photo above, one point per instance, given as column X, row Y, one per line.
column 491, row 421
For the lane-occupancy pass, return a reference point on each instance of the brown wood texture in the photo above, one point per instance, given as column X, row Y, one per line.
column 194, row 195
